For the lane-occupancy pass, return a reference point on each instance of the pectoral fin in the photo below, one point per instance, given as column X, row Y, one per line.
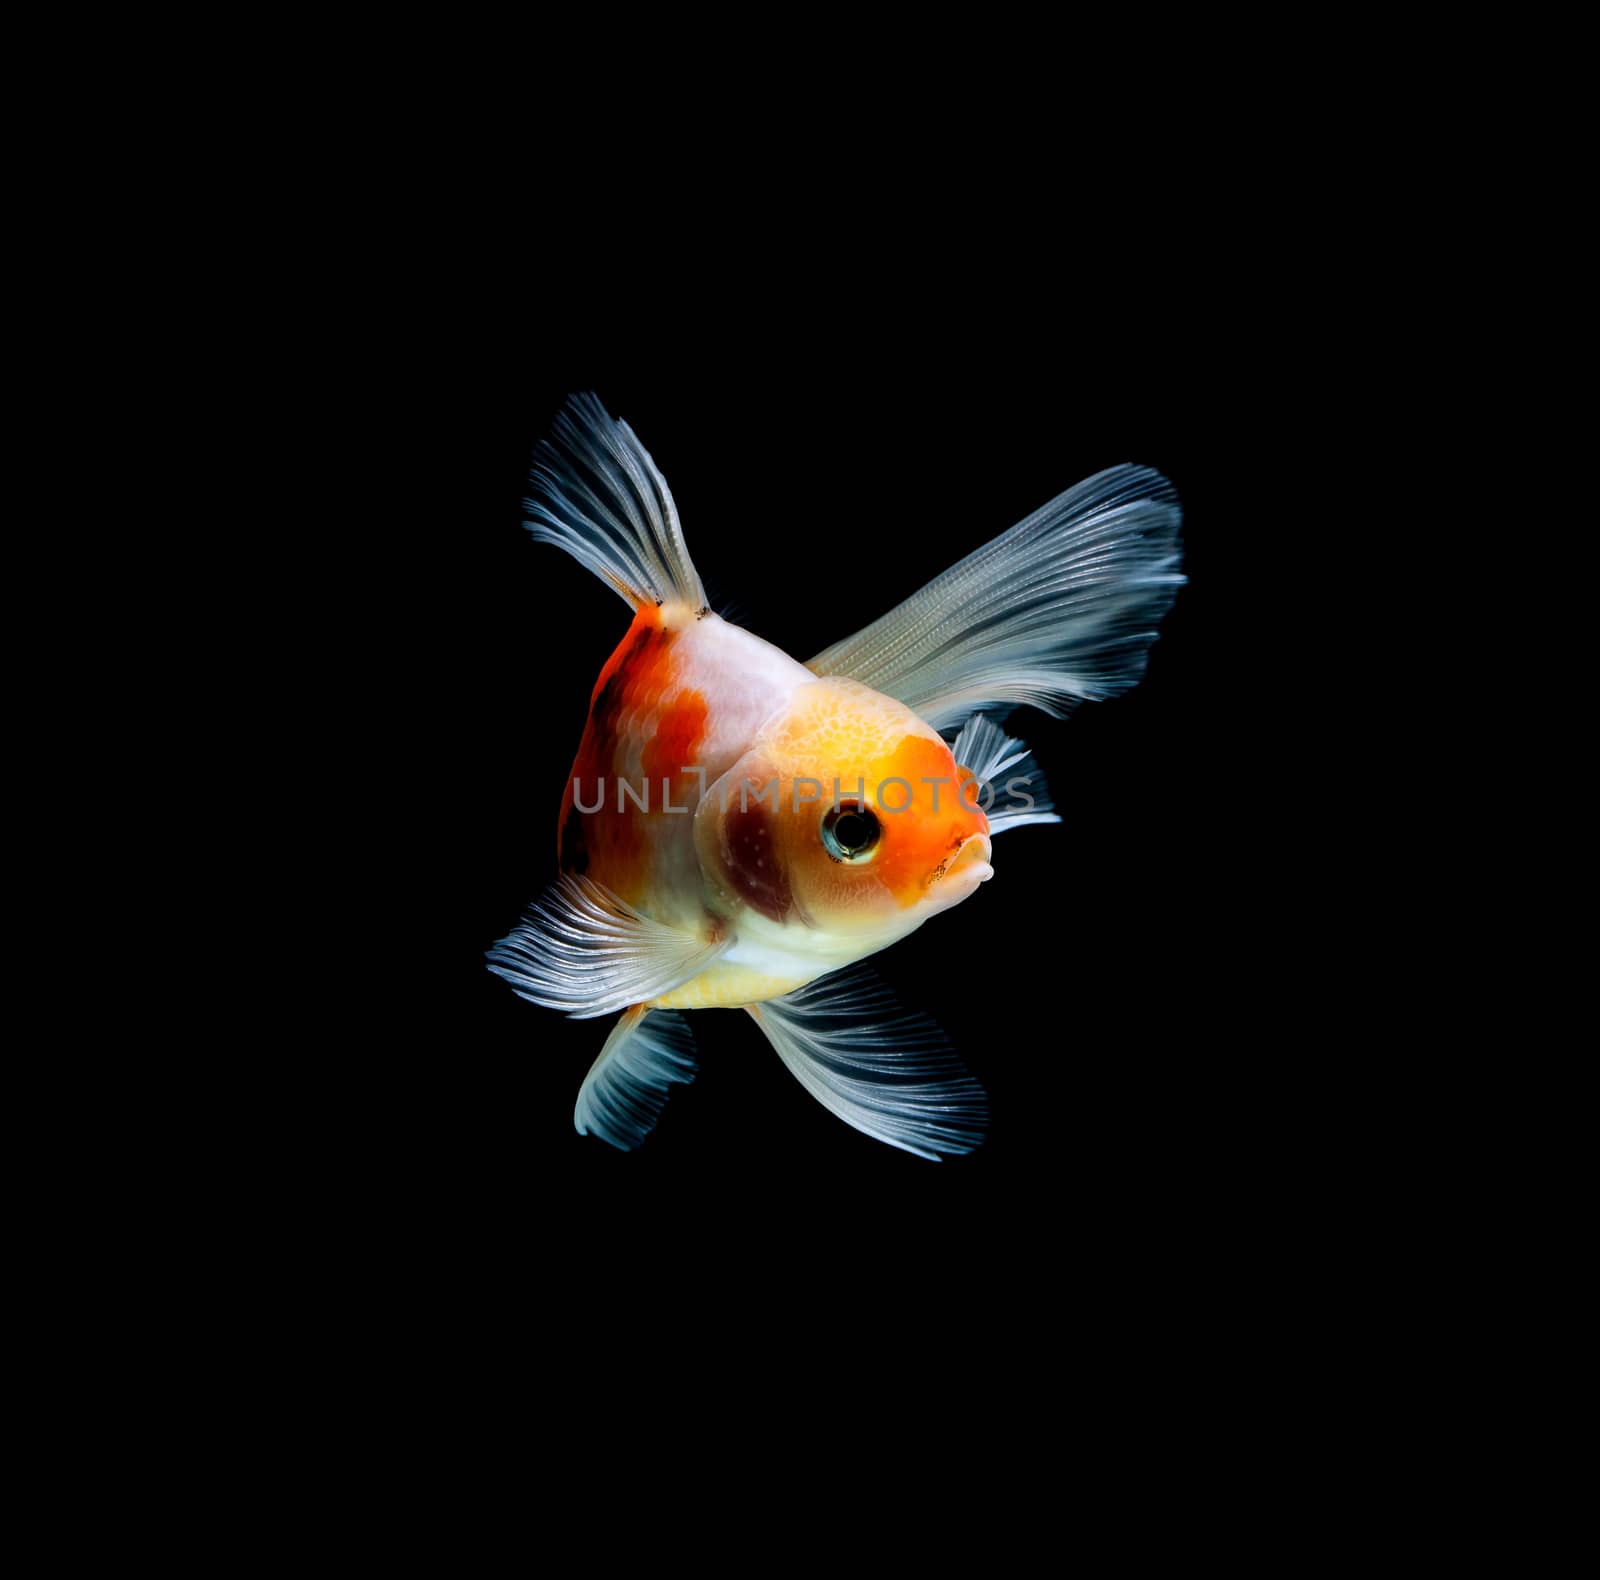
column 584, row 950
column 623, row 1094
column 1019, row 795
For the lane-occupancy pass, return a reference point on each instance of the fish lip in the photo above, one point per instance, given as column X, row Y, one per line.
column 971, row 862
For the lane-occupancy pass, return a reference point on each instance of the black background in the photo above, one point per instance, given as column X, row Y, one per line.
column 1108, row 986
column 1101, row 985
column 374, row 1135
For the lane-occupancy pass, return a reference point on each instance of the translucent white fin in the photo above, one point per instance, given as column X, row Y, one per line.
column 887, row 1072
column 597, row 494
column 1007, row 767
column 1060, row 609
column 583, row 950
column 626, row 1088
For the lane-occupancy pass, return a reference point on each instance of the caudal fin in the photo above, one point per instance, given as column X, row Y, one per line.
column 597, row 494
column 1059, row 610
column 888, row 1073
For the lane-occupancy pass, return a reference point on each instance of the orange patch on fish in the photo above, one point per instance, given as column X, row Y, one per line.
column 919, row 840
column 637, row 720
column 604, row 844
column 679, row 731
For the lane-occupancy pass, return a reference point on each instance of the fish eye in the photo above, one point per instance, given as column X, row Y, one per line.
column 850, row 831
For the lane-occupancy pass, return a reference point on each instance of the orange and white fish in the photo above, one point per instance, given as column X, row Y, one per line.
column 738, row 827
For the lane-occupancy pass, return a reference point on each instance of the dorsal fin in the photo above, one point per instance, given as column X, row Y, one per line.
column 597, row 494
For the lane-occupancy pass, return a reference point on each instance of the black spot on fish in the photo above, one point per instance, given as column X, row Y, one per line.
column 752, row 861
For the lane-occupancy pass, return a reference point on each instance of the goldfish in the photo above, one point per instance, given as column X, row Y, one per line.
column 741, row 830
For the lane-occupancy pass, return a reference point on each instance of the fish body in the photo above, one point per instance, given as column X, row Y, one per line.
column 693, row 719
column 739, row 827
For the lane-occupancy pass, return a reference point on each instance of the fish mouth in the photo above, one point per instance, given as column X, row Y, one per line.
column 970, row 863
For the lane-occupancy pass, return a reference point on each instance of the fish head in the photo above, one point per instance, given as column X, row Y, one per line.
column 847, row 815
